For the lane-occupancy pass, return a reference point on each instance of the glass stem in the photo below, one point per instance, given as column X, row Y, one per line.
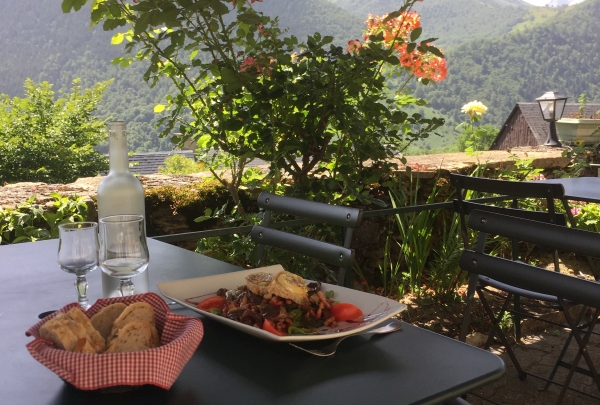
column 126, row 287
column 82, row 285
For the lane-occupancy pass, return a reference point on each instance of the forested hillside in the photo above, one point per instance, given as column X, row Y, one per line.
column 562, row 54
column 499, row 51
column 453, row 22
column 38, row 41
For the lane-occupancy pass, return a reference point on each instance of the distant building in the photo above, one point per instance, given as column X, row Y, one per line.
column 525, row 125
column 148, row 163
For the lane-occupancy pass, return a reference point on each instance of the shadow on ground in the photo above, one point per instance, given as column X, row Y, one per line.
column 537, row 354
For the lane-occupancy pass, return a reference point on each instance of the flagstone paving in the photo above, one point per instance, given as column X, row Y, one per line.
column 537, row 354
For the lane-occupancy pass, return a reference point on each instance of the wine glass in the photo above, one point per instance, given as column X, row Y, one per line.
column 78, row 254
column 123, row 249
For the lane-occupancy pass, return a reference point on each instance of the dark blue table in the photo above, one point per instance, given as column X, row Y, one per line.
column 414, row 366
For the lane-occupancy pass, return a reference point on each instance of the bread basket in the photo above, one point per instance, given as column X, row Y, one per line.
column 179, row 338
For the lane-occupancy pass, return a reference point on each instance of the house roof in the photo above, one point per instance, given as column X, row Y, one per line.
column 535, row 120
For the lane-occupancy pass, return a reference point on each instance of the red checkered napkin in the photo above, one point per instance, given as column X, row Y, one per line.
column 180, row 336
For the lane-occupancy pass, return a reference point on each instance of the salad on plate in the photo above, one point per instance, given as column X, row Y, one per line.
column 283, row 304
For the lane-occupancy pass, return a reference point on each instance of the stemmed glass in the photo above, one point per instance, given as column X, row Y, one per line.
column 123, row 249
column 78, row 254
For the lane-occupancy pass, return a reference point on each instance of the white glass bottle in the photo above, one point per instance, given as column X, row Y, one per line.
column 120, row 192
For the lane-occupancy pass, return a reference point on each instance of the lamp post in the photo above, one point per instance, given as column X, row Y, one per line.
column 552, row 105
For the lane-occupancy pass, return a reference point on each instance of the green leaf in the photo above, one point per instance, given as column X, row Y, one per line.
column 232, row 124
column 203, row 141
column 231, row 80
column 117, row 38
column 415, row 34
column 159, row 108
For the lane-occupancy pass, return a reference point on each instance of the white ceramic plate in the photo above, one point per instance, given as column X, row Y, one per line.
column 190, row 291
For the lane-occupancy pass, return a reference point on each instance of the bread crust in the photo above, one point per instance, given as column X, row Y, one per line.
column 291, row 286
column 135, row 336
column 95, row 339
column 104, row 319
column 131, row 328
column 259, row 283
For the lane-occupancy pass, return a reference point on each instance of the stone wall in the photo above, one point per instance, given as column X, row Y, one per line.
column 426, row 165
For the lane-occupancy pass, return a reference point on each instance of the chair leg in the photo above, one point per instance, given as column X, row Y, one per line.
column 517, row 316
column 582, row 343
column 496, row 328
column 464, row 330
column 559, row 361
column 495, row 319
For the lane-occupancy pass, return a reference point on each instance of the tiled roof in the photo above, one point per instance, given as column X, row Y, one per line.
column 148, row 163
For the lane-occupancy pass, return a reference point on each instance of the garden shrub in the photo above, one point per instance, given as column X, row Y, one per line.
column 30, row 221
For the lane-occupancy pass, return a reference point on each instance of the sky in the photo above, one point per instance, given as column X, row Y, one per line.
column 537, row 2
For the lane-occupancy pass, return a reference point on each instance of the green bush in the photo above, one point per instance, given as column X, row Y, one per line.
column 50, row 141
column 177, row 164
column 30, row 221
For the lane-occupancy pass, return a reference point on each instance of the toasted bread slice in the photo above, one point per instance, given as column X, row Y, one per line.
column 259, row 283
column 95, row 338
column 290, row 286
column 135, row 336
column 59, row 333
column 104, row 319
column 139, row 311
column 64, row 332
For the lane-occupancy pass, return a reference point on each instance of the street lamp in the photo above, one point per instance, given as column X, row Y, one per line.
column 552, row 105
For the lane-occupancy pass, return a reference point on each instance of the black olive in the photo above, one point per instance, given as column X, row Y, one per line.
column 235, row 314
column 313, row 287
column 222, row 292
column 269, row 311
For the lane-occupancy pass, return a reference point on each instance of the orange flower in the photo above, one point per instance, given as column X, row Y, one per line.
column 396, row 33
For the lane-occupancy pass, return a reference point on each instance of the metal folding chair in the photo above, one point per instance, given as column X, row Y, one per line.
column 346, row 217
column 502, row 191
column 568, row 290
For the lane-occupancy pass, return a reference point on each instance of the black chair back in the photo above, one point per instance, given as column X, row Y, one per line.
column 346, row 217
column 510, row 190
column 531, row 277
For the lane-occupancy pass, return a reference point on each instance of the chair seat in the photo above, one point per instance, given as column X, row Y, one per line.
column 486, row 281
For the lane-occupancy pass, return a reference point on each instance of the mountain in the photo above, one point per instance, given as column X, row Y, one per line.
column 499, row 52
column 559, row 54
column 38, row 41
column 453, row 22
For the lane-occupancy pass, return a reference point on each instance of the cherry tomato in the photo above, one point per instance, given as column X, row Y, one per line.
column 212, row 303
column 268, row 326
column 345, row 312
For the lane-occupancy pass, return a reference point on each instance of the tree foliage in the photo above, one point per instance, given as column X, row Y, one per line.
column 317, row 113
column 561, row 54
column 47, row 140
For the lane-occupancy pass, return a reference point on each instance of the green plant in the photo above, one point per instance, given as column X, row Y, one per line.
column 390, row 280
column 445, row 274
column 582, row 100
column 51, row 141
column 29, row 221
column 586, row 215
column 177, row 164
column 415, row 228
column 311, row 110
column 476, row 138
